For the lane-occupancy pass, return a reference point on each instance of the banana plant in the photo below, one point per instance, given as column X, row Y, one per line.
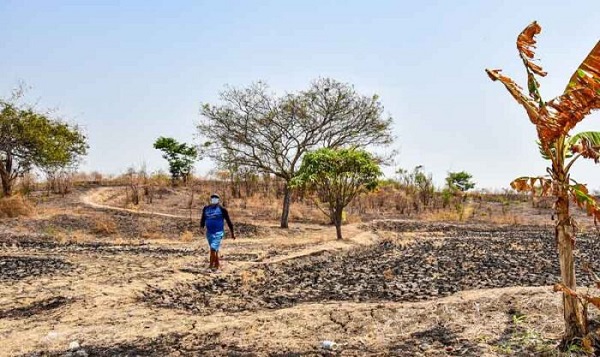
column 554, row 120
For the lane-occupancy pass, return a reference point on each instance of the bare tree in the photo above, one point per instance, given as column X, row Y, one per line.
column 255, row 129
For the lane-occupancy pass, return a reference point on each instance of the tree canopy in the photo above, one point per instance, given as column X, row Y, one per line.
column 31, row 139
column 180, row 157
column 337, row 176
column 459, row 181
column 253, row 128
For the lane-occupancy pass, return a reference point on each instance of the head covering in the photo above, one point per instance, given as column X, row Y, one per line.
column 214, row 195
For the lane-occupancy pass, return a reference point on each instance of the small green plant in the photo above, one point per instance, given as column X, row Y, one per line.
column 446, row 197
column 518, row 319
column 460, row 210
column 523, row 340
column 574, row 348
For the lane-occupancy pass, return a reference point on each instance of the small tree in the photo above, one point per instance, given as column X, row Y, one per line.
column 254, row 129
column 417, row 183
column 554, row 121
column 180, row 156
column 31, row 139
column 337, row 176
column 459, row 181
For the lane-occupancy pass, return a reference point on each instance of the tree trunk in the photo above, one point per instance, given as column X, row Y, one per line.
column 287, row 197
column 5, row 173
column 338, row 223
column 575, row 324
column 6, row 184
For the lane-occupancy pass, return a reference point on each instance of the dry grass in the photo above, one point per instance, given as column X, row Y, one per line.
column 251, row 277
column 151, row 230
column 15, row 206
column 440, row 216
column 186, row 236
column 104, row 225
column 470, row 214
column 63, row 236
column 505, row 219
column 78, row 237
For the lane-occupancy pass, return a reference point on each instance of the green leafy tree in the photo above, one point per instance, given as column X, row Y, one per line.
column 180, row 156
column 255, row 129
column 30, row 139
column 554, row 121
column 337, row 176
column 459, row 181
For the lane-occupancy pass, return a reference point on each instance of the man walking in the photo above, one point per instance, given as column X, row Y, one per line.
column 213, row 217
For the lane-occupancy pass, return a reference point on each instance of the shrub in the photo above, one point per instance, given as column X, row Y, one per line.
column 15, row 206
column 104, row 226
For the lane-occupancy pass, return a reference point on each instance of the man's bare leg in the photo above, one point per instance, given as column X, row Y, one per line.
column 216, row 260
column 212, row 259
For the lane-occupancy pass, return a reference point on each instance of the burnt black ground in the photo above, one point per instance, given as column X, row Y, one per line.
column 420, row 270
column 21, row 267
column 35, row 308
column 27, row 243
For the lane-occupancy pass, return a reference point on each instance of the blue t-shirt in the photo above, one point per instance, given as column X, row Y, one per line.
column 214, row 217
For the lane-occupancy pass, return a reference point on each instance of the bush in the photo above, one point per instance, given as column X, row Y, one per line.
column 15, row 206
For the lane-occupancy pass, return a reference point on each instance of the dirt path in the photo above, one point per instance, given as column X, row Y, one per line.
column 90, row 198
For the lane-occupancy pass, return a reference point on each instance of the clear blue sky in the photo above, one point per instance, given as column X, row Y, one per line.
column 130, row 71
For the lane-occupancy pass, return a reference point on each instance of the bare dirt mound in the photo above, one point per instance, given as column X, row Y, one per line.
column 389, row 271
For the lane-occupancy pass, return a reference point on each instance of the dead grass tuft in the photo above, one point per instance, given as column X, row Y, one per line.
column 104, row 226
column 252, row 277
column 468, row 216
column 388, row 274
column 186, row 236
column 151, row 230
column 15, row 206
column 440, row 216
